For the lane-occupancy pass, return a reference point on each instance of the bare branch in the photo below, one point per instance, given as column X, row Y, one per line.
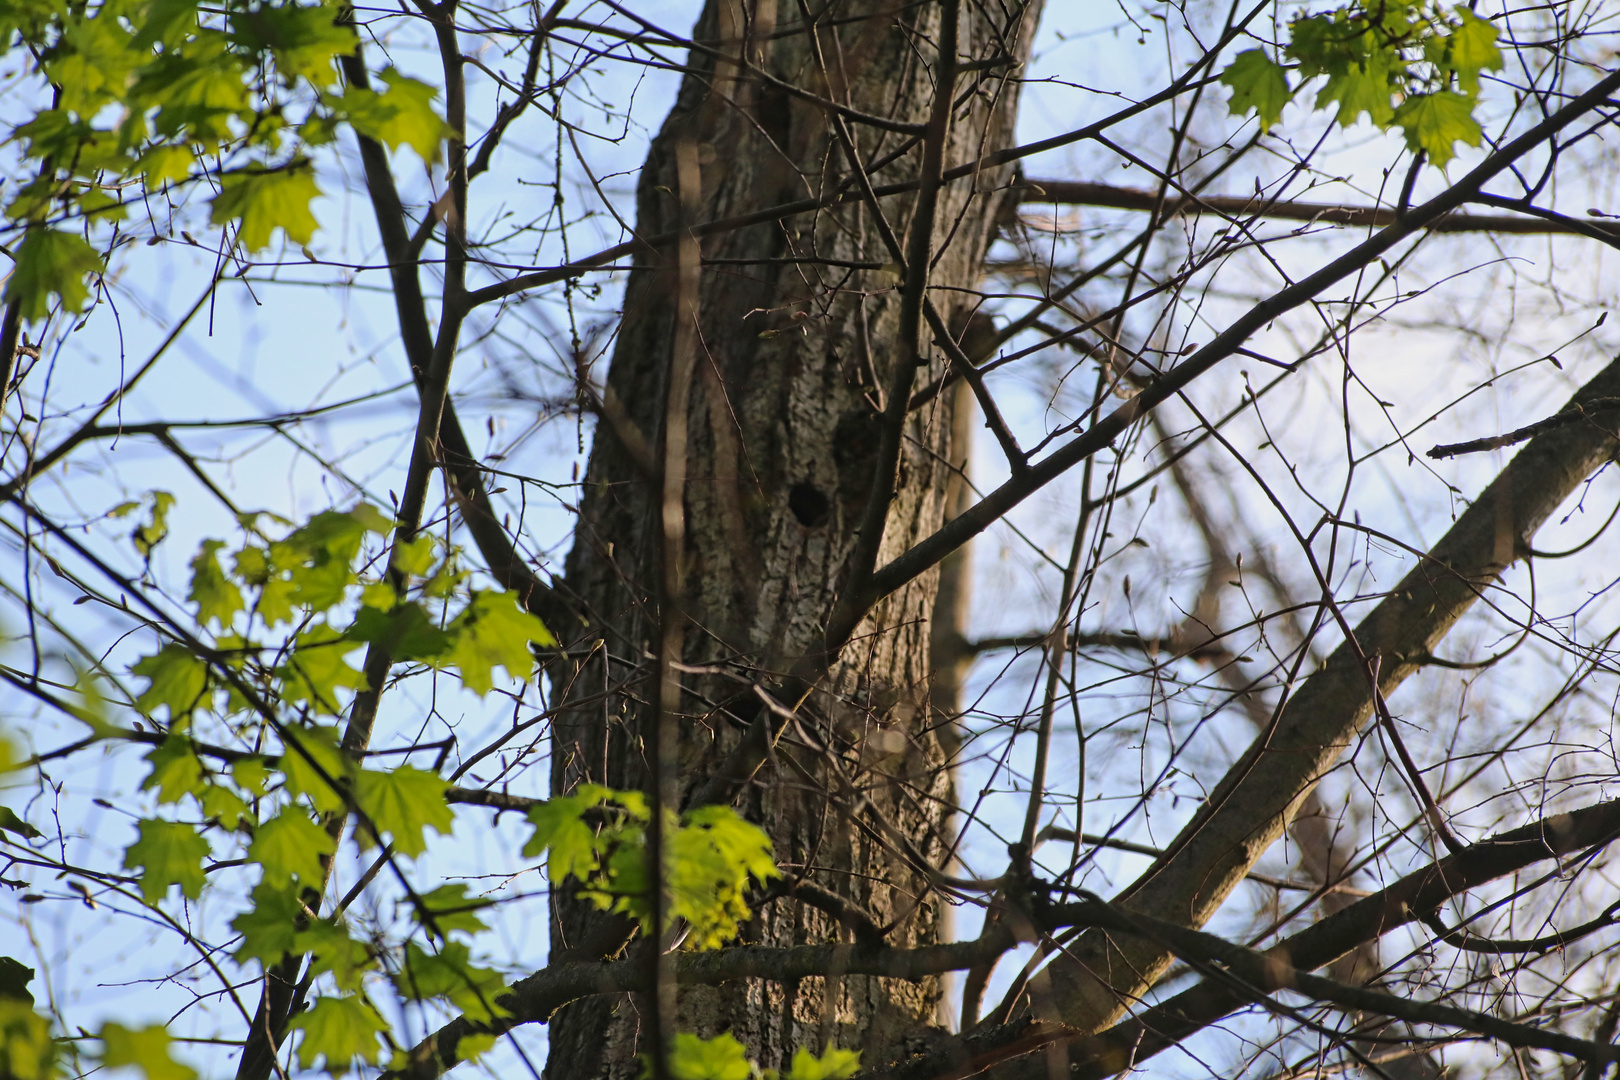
column 1091, row 193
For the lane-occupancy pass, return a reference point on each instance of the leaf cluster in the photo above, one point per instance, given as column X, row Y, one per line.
column 1409, row 64
column 268, row 664
column 155, row 96
column 724, row 1058
column 597, row 838
column 279, row 618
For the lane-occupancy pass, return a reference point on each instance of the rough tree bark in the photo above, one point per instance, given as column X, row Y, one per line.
column 796, row 334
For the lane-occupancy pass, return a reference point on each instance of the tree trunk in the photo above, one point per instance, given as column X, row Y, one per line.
column 784, row 420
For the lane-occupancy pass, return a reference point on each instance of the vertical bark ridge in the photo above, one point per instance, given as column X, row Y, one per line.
column 781, row 431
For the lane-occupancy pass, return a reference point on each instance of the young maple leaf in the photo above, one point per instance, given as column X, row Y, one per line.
column 1437, row 122
column 405, row 802
column 266, row 201
column 50, row 261
column 494, row 631
column 291, row 845
column 168, row 853
column 339, row 1029
column 1258, row 82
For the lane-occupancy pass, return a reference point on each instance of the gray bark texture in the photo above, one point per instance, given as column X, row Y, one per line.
column 783, row 425
column 1091, row 984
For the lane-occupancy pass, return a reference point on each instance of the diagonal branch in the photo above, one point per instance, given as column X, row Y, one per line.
column 1090, row 193
column 751, row 752
column 1156, row 1029
column 461, row 466
column 1575, row 414
column 1253, row 803
column 536, row 998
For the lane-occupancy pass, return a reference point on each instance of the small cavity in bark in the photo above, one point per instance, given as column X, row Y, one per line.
column 809, row 505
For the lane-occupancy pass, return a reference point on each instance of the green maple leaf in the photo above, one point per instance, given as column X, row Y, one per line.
column 1437, row 122
column 215, row 595
column 252, row 566
column 177, row 679
column 220, row 803
column 176, row 770
column 415, row 557
column 14, row 979
column 1357, row 92
column 169, row 854
column 27, row 1051
column 10, row 822
column 445, row 580
column 316, row 670
column 10, row 756
column 167, row 21
column 404, row 803
column 493, row 631
column 372, row 519
column 339, row 533
column 313, row 566
column 266, row 201
column 403, row 116
column 713, row 855
column 145, row 1048
column 51, row 262
column 304, row 40
column 452, row 909
column 834, row 1064
column 33, row 20
column 92, row 62
column 1258, row 82
column 320, row 743
column 474, row 1045
column 276, row 604
column 251, row 774
column 152, row 532
column 406, row 630
column 195, row 92
column 291, row 845
column 1470, row 49
column 743, row 846
column 451, row 975
column 54, row 133
column 335, row 951
column 339, row 1029
column 1328, row 44
column 720, row 1058
column 269, row 928
column 1364, row 85
column 559, row 830
column 165, row 164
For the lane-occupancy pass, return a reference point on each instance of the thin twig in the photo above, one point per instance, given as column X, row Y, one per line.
column 1572, row 415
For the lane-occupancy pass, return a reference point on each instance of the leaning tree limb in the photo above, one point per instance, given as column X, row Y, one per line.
column 1260, row 793
column 1090, row 193
column 1156, row 1029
